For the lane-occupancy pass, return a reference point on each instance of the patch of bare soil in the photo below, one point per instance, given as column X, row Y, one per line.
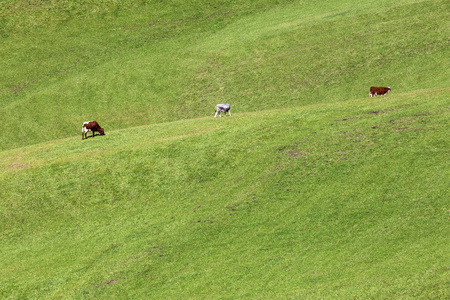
column 111, row 281
column 295, row 154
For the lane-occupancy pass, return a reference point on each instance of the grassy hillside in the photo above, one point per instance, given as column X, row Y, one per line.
column 310, row 189
column 172, row 60
column 347, row 199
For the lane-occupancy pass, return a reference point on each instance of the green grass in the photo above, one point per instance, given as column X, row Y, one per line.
column 154, row 64
column 317, row 192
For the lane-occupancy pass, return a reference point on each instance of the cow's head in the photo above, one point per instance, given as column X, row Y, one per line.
column 101, row 131
column 389, row 90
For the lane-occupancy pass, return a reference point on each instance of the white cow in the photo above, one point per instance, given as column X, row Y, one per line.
column 222, row 108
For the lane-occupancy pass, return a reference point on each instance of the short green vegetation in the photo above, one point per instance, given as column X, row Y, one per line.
column 310, row 190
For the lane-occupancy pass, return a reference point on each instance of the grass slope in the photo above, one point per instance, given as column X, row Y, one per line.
column 324, row 193
column 174, row 60
column 347, row 199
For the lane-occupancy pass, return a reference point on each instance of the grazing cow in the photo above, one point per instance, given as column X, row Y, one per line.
column 378, row 90
column 222, row 108
column 91, row 126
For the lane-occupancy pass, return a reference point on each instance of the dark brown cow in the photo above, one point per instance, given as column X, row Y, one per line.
column 91, row 126
column 378, row 90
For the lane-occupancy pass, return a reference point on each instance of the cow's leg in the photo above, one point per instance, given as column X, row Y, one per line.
column 229, row 112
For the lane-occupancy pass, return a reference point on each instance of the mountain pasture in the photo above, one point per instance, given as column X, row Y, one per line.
column 311, row 189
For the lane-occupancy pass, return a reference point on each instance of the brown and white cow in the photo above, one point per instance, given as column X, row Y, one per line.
column 91, row 126
column 378, row 90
